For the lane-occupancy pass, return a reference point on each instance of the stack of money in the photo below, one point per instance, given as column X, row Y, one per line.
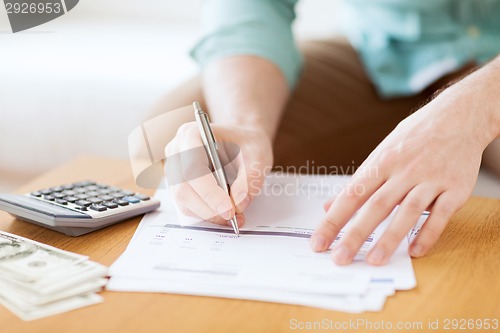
column 38, row 280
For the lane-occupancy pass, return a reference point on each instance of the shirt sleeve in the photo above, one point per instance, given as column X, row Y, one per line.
column 250, row 27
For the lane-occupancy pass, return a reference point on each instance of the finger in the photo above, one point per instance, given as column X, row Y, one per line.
column 442, row 210
column 248, row 182
column 239, row 190
column 188, row 212
column 328, row 203
column 189, row 201
column 376, row 209
column 352, row 197
column 240, row 218
column 239, row 185
column 217, row 220
column 199, row 176
column 407, row 215
column 228, row 160
column 213, row 195
column 171, row 147
column 172, row 163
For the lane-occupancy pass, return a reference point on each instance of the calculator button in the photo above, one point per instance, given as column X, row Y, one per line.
column 114, row 189
column 69, row 192
column 120, row 202
column 67, row 187
column 36, row 194
column 98, row 208
column 131, row 199
column 117, row 195
column 84, row 183
column 142, row 197
column 57, row 189
column 80, row 190
column 95, row 200
column 92, row 188
column 58, row 195
column 110, row 205
column 83, row 203
column 82, row 196
column 61, row 201
column 49, row 198
column 70, row 199
column 106, row 197
column 45, row 192
column 82, row 208
column 93, row 194
column 105, row 191
column 128, row 193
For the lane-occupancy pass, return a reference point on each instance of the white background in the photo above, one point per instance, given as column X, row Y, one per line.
column 81, row 83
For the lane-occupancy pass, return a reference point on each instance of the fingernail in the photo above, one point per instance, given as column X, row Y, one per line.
column 318, row 243
column 224, row 211
column 376, row 256
column 416, row 250
column 341, row 255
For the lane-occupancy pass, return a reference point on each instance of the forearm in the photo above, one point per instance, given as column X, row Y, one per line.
column 489, row 76
column 496, row 81
column 246, row 91
column 479, row 93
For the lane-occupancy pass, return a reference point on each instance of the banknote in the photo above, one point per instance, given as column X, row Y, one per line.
column 65, row 278
column 26, row 300
column 38, row 280
column 53, row 308
column 25, row 260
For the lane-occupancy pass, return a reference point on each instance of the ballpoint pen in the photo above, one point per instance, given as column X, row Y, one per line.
column 211, row 148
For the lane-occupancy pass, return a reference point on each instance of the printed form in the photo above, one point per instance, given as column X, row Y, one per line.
column 270, row 261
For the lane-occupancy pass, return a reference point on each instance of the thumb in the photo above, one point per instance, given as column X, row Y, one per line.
column 248, row 183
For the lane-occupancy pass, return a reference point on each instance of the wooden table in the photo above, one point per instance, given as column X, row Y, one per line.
column 459, row 279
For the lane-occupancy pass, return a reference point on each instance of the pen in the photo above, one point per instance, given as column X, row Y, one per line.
column 211, row 148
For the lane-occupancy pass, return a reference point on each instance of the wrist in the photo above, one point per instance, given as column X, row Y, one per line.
column 246, row 117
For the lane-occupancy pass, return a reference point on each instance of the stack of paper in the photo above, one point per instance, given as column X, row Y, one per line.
column 37, row 280
column 270, row 261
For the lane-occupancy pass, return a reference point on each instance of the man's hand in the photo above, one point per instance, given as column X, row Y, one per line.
column 246, row 154
column 429, row 162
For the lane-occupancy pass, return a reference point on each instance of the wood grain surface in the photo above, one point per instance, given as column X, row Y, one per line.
column 459, row 279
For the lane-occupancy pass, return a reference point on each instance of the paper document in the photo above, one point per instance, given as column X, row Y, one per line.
column 270, row 261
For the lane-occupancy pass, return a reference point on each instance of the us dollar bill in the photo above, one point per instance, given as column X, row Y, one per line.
column 52, row 308
column 26, row 300
column 66, row 277
column 25, row 260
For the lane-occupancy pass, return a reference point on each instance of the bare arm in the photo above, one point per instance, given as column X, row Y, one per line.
column 245, row 91
column 245, row 97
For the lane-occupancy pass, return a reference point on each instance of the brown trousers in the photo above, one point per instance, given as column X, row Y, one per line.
column 334, row 116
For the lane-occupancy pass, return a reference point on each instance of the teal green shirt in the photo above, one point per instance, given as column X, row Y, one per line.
column 405, row 45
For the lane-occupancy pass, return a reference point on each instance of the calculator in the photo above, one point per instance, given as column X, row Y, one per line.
column 78, row 208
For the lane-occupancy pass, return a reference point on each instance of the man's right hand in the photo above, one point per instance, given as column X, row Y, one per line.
column 246, row 153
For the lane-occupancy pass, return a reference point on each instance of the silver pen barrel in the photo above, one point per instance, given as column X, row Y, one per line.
column 211, row 149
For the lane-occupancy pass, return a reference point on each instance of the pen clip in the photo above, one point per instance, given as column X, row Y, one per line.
column 209, row 130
